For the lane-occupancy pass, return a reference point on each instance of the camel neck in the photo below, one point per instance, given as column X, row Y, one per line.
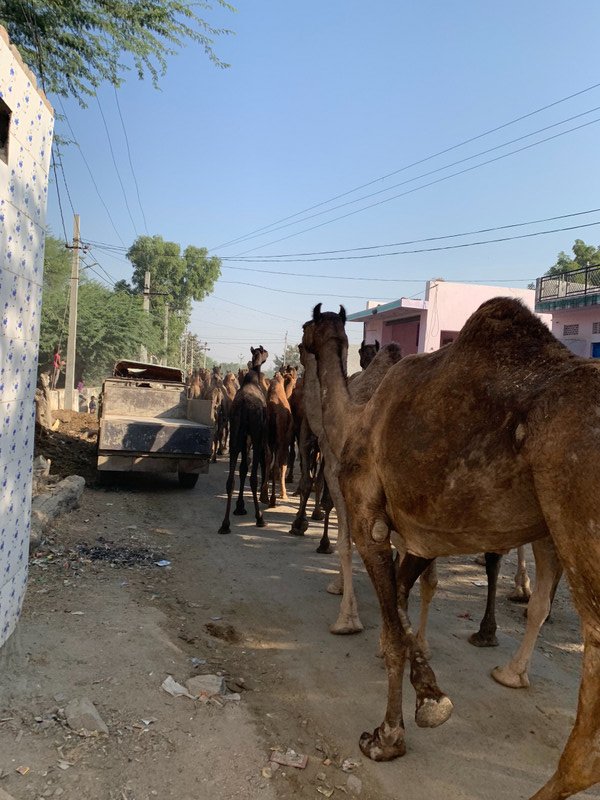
column 335, row 400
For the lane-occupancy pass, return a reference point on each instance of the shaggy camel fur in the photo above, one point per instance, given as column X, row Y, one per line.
column 519, row 416
column 280, row 435
column 248, row 422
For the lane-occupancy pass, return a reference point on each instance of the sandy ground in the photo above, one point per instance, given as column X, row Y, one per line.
column 112, row 633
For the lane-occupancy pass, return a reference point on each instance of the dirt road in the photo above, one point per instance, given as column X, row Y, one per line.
column 253, row 606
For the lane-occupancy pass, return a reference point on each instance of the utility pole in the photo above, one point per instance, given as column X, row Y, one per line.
column 146, row 308
column 186, row 339
column 204, row 347
column 72, row 340
column 166, row 333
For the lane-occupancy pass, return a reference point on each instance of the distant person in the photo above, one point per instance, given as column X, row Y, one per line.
column 56, row 365
column 93, row 406
column 80, row 387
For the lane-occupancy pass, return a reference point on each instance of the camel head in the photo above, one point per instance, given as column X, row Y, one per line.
column 259, row 356
column 367, row 353
column 325, row 327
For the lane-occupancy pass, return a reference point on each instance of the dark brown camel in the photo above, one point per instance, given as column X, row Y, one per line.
column 367, row 353
column 280, row 436
column 248, row 423
column 521, row 435
column 230, row 388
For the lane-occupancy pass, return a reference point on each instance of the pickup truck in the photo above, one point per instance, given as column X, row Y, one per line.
column 148, row 424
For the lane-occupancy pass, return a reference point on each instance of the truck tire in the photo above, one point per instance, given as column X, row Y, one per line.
column 187, row 480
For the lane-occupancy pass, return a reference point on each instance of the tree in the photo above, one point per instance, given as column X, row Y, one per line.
column 77, row 45
column 583, row 253
column 290, row 357
column 176, row 279
column 111, row 324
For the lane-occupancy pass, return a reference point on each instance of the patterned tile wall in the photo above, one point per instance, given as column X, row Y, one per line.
column 23, row 196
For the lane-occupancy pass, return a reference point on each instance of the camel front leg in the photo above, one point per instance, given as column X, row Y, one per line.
column 325, row 544
column 348, row 620
column 547, row 574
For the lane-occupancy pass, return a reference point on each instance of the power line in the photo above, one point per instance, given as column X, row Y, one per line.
column 308, row 294
column 424, row 249
column 91, row 174
column 265, row 259
column 413, row 164
column 258, row 311
column 137, row 188
column 436, row 170
column 426, row 185
column 114, row 160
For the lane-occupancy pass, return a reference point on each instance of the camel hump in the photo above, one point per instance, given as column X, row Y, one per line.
column 503, row 318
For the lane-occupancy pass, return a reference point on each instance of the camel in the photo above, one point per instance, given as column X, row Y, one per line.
column 230, row 387
column 487, row 444
column 248, row 422
column 280, row 435
column 367, row 353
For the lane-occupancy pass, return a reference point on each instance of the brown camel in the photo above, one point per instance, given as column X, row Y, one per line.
column 229, row 389
column 367, row 353
column 280, row 436
column 483, row 445
column 248, row 423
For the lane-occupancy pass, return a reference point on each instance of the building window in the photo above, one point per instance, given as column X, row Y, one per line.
column 4, row 129
column 596, row 327
column 571, row 330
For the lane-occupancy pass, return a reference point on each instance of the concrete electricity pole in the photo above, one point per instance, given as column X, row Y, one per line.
column 166, row 334
column 72, row 340
column 146, row 308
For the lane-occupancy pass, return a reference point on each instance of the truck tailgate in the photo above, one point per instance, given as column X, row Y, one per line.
column 154, row 435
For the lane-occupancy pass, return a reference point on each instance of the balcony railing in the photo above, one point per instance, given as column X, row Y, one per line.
column 578, row 283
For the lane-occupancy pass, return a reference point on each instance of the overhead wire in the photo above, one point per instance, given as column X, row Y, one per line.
column 137, row 188
column 91, row 174
column 266, row 258
column 425, row 185
column 414, row 164
column 114, row 160
column 437, row 169
column 308, row 294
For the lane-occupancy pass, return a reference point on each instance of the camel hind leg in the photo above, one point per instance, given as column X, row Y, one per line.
column 522, row 591
column 486, row 635
column 547, row 574
column 579, row 765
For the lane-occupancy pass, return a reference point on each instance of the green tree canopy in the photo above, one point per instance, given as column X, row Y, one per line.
column 290, row 357
column 82, row 43
column 111, row 325
column 176, row 279
column 583, row 254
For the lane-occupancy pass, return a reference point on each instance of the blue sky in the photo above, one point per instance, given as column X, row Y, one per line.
column 322, row 97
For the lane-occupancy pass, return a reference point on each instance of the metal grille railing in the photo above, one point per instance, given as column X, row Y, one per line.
column 568, row 284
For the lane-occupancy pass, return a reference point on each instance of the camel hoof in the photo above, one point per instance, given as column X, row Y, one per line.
column 239, row 512
column 520, row 596
column 224, row 528
column 299, row 526
column 294, row 531
column 346, row 627
column 317, row 515
column 260, row 523
column 264, row 498
column 432, row 713
column 325, row 548
column 273, row 503
column 335, row 587
column 481, row 640
column 513, row 680
column 372, row 746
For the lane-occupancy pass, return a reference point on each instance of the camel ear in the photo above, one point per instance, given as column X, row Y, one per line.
column 317, row 312
column 376, row 346
column 362, row 344
column 252, row 350
column 343, row 314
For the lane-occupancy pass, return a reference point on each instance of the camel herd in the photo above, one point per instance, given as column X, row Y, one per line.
column 482, row 446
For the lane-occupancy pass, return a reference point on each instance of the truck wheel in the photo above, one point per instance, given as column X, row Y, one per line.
column 187, row 480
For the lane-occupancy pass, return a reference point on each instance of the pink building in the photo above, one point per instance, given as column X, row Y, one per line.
column 573, row 298
column 421, row 326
